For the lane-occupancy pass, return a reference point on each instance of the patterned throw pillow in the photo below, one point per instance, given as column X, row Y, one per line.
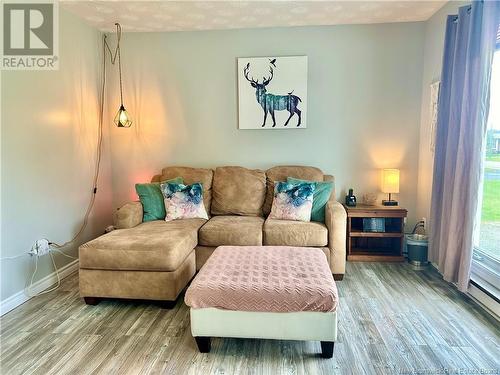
column 292, row 201
column 152, row 200
column 183, row 201
column 322, row 192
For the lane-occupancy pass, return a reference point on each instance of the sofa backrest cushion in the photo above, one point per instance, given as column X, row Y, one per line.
column 281, row 173
column 191, row 176
column 238, row 191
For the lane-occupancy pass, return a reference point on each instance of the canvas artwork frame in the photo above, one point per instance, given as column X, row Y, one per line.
column 272, row 92
column 433, row 110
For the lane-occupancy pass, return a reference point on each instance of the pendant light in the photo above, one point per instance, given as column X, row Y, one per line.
column 122, row 118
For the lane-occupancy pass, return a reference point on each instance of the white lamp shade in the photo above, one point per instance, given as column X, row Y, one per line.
column 390, row 180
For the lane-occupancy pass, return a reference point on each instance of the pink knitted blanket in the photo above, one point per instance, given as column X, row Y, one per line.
column 264, row 278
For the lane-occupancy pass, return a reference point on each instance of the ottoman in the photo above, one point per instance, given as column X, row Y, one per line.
column 268, row 292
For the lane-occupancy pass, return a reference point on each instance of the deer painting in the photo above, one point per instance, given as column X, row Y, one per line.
column 270, row 102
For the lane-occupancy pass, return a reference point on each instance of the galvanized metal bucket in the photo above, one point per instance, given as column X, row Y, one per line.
column 417, row 246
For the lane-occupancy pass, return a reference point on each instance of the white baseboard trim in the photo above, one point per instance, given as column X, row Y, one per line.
column 485, row 301
column 20, row 297
column 478, row 296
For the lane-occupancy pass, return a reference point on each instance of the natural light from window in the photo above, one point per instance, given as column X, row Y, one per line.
column 486, row 256
column 489, row 233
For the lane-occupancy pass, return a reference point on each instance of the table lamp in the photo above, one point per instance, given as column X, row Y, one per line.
column 390, row 185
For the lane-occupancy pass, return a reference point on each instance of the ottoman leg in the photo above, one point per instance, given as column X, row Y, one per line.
column 92, row 300
column 327, row 349
column 203, row 344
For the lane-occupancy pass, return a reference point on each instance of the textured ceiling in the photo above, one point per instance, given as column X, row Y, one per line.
column 210, row 15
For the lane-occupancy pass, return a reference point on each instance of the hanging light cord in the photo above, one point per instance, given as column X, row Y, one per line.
column 116, row 55
column 57, row 247
column 113, row 57
column 99, row 144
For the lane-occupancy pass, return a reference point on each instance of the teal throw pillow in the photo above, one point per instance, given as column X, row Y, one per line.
column 151, row 197
column 320, row 197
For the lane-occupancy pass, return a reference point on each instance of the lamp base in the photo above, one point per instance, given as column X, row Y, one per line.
column 389, row 203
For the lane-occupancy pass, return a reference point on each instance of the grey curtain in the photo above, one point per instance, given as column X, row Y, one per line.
column 461, row 128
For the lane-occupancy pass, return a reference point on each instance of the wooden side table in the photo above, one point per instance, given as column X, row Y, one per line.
column 366, row 245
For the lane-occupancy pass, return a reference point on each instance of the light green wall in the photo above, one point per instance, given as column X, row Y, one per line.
column 48, row 142
column 364, row 92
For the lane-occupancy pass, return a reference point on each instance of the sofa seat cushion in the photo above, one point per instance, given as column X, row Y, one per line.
column 294, row 233
column 151, row 246
column 232, row 230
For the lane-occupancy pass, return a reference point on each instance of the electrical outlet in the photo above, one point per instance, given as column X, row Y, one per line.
column 424, row 220
column 40, row 247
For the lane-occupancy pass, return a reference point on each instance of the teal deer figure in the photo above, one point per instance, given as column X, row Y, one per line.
column 270, row 102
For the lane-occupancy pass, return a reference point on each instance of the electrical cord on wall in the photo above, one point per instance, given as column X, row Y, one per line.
column 99, row 140
column 58, row 284
column 15, row 256
column 57, row 246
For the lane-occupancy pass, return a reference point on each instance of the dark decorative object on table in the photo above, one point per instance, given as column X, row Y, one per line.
column 350, row 199
column 374, row 224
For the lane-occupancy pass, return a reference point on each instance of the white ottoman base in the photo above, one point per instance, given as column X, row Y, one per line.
column 304, row 325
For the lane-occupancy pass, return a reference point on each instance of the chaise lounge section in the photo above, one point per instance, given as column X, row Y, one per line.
column 155, row 260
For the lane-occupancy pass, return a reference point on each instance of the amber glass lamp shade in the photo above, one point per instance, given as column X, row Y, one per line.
column 122, row 118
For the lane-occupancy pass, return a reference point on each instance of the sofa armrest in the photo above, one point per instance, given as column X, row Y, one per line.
column 336, row 222
column 127, row 216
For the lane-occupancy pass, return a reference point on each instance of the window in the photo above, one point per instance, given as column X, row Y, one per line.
column 486, row 255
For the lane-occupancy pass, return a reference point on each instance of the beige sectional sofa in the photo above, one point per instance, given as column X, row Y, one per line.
column 155, row 260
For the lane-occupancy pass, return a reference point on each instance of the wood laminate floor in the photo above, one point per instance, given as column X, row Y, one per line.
column 392, row 320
